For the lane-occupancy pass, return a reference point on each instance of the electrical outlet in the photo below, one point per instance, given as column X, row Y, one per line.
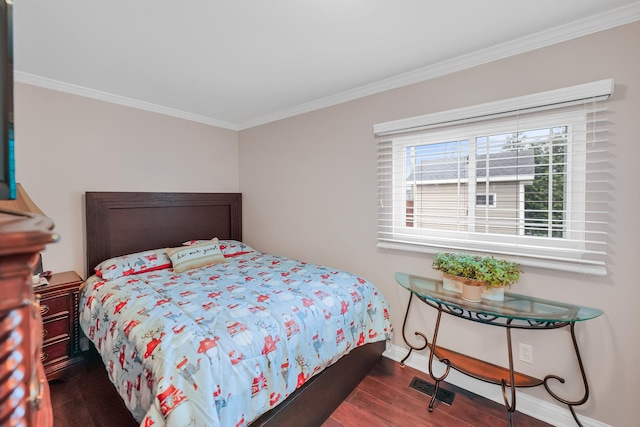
column 526, row 353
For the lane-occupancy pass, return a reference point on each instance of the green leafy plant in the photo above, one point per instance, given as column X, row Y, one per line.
column 492, row 271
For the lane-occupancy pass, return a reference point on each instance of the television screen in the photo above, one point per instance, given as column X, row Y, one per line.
column 7, row 161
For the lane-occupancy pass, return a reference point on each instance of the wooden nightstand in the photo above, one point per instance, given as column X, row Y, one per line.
column 61, row 332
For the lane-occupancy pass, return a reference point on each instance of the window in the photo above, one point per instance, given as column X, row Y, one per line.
column 523, row 185
column 484, row 199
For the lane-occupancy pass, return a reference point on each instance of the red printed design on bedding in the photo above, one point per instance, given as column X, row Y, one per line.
column 169, row 399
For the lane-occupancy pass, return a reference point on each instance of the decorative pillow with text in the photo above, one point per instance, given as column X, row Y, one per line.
column 229, row 248
column 196, row 255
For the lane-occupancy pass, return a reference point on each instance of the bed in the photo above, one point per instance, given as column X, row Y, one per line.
column 255, row 338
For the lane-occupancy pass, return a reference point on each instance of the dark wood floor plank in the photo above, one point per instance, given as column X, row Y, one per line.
column 349, row 414
column 331, row 422
column 391, row 414
column 375, row 388
column 74, row 413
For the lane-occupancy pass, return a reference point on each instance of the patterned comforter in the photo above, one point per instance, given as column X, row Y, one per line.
column 221, row 345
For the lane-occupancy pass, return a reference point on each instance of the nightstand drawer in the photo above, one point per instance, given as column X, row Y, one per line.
column 55, row 350
column 61, row 333
column 55, row 328
column 52, row 306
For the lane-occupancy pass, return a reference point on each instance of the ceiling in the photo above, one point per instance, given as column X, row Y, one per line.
column 238, row 64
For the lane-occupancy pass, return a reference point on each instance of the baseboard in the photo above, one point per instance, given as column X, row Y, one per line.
column 540, row 409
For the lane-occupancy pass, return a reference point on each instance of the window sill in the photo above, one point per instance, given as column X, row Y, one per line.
column 560, row 265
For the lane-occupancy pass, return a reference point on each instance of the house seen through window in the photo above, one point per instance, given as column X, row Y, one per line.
column 501, row 183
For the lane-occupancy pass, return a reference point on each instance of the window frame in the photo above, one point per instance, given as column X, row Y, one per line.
column 430, row 240
column 490, row 200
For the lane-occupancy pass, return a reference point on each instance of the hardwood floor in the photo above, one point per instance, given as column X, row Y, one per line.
column 384, row 398
column 86, row 398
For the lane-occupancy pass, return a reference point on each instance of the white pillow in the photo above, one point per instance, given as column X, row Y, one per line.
column 139, row 262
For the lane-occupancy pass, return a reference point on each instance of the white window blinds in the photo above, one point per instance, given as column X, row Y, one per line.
column 523, row 178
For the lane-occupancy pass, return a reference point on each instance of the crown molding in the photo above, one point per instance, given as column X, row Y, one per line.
column 117, row 99
column 604, row 21
column 616, row 17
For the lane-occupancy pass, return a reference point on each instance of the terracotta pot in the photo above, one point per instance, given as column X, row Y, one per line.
column 472, row 291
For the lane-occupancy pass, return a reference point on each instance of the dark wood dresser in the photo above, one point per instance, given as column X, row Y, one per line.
column 24, row 391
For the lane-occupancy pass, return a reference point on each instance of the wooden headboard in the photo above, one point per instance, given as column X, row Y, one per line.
column 119, row 223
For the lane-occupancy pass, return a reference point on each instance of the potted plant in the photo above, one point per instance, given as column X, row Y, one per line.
column 490, row 273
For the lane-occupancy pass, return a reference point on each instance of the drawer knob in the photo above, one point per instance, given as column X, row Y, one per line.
column 44, row 356
column 44, row 333
column 44, row 309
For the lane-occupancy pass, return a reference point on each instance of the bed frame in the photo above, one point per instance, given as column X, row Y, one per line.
column 118, row 223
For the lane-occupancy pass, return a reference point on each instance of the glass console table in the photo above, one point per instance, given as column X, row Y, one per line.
column 516, row 311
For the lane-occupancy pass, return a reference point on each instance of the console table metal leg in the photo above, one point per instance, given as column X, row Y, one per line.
column 445, row 361
column 419, row 334
column 585, row 397
column 511, row 406
column 412, row 347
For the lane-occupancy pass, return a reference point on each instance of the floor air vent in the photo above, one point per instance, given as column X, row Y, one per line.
column 445, row 396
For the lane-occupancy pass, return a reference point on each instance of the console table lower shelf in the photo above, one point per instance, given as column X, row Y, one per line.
column 516, row 312
column 481, row 370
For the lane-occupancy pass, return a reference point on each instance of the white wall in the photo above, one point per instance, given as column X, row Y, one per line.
column 66, row 145
column 309, row 186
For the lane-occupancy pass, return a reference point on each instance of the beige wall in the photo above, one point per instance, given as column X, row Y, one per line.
column 309, row 185
column 66, row 145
